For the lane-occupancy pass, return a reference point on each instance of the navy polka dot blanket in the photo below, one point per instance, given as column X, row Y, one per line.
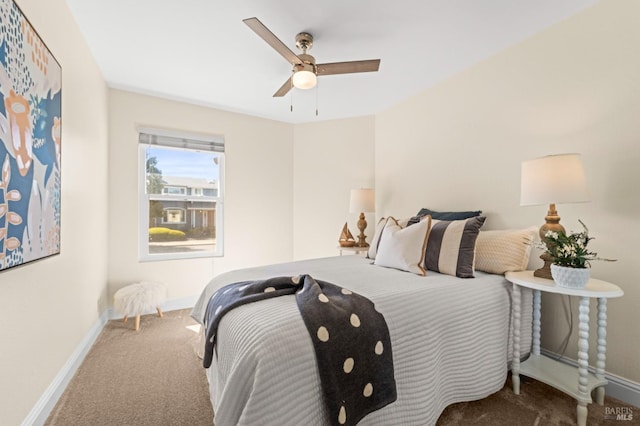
column 350, row 338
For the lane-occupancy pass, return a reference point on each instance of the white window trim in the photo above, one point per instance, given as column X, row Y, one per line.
column 143, row 217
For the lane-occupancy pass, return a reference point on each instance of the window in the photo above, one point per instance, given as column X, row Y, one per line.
column 181, row 189
column 173, row 215
column 174, row 190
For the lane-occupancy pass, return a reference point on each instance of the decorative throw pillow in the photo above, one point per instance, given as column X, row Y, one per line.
column 451, row 246
column 444, row 215
column 373, row 247
column 506, row 250
column 403, row 248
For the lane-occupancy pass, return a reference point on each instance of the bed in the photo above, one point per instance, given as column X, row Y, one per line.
column 450, row 338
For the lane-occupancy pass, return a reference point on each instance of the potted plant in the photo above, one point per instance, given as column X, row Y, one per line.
column 571, row 258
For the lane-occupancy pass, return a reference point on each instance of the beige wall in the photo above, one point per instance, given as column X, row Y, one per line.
column 571, row 88
column 258, row 203
column 47, row 307
column 276, row 174
column 330, row 158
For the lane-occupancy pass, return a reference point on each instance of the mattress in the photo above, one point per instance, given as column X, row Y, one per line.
column 450, row 339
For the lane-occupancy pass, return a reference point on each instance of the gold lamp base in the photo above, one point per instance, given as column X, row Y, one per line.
column 362, row 225
column 552, row 223
column 545, row 271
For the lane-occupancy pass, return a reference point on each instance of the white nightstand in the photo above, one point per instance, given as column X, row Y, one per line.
column 356, row 250
column 563, row 377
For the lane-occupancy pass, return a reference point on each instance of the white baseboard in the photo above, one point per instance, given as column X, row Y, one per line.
column 169, row 305
column 43, row 407
column 40, row 412
column 183, row 303
column 618, row 387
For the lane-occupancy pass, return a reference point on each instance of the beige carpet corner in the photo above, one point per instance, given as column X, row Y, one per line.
column 154, row 377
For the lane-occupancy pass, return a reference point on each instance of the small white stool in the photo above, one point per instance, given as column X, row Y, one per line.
column 136, row 299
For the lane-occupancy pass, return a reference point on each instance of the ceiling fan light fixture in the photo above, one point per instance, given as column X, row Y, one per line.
column 305, row 70
column 304, row 79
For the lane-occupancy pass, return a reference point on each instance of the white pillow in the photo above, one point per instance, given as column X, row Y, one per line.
column 373, row 247
column 502, row 251
column 404, row 248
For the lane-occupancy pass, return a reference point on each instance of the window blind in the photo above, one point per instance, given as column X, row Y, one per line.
column 167, row 138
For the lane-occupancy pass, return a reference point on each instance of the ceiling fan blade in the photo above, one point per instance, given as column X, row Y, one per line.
column 273, row 41
column 284, row 89
column 348, row 67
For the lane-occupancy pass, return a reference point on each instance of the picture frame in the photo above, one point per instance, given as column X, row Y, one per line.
column 30, row 132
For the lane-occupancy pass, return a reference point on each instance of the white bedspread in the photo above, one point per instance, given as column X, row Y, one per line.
column 450, row 340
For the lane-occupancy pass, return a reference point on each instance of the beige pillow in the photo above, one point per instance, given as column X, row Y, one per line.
column 404, row 248
column 502, row 251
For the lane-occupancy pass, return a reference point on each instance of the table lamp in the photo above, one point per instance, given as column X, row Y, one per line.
column 362, row 200
column 552, row 180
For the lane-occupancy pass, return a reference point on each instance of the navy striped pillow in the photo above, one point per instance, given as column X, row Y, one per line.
column 452, row 245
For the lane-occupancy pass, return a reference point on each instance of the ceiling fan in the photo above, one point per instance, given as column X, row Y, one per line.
column 305, row 70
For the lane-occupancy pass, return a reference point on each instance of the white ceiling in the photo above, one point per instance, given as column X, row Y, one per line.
column 200, row 51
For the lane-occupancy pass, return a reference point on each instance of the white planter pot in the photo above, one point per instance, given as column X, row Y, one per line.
column 570, row 277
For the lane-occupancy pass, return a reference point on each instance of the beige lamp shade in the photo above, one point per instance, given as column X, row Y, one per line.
column 550, row 180
column 362, row 200
column 553, row 179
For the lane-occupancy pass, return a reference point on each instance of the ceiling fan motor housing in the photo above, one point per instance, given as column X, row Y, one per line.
column 304, row 41
column 305, row 67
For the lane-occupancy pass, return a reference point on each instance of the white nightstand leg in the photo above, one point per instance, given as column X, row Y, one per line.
column 583, row 412
column 536, row 322
column 515, row 363
column 583, row 359
column 602, row 346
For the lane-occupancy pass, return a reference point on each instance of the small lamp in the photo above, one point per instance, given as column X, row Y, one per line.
column 550, row 180
column 362, row 200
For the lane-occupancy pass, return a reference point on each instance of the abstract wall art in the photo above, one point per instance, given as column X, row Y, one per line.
column 30, row 130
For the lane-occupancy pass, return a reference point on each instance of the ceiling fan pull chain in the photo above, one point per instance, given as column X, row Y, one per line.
column 317, row 98
column 291, row 97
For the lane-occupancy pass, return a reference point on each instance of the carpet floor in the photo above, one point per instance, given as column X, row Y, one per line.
column 154, row 377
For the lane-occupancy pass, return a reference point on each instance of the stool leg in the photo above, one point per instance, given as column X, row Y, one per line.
column 159, row 312
column 137, row 323
column 126, row 318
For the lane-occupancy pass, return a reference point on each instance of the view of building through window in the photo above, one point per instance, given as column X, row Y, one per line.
column 182, row 194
